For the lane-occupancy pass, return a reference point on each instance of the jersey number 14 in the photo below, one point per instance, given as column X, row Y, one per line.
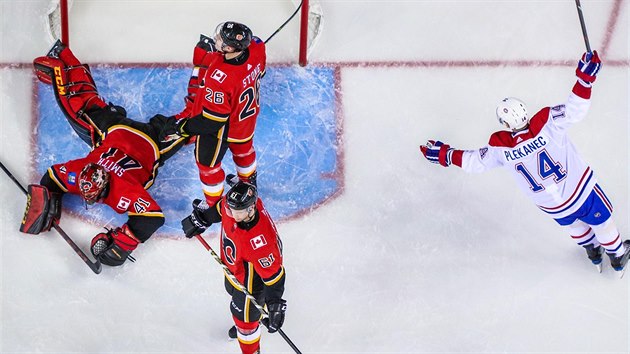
column 547, row 167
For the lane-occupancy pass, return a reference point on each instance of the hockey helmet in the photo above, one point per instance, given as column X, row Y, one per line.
column 93, row 181
column 234, row 34
column 512, row 114
column 241, row 196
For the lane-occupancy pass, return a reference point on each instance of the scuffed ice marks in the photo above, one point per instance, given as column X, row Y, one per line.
column 296, row 138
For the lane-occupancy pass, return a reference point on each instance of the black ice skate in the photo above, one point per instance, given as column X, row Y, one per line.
column 619, row 263
column 595, row 255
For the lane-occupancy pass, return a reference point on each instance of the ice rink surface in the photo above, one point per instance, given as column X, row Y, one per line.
column 410, row 257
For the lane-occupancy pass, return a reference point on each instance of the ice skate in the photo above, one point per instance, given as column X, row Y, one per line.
column 595, row 255
column 619, row 263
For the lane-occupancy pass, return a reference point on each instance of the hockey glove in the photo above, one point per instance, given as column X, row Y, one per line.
column 43, row 208
column 174, row 130
column 195, row 223
column 277, row 309
column 114, row 247
column 205, row 43
column 437, row 152
column 588, row 67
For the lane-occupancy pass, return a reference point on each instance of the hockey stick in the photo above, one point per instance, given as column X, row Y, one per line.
column 235, row 281
column 285, row 22
column 579, row 10
column 95, row 266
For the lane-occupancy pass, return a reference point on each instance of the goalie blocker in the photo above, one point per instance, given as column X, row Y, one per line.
column 43, row 208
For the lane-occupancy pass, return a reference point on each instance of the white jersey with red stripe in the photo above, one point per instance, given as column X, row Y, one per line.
column 542, row 159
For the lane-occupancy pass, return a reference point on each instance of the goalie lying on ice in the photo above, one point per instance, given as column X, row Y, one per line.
column 117, row 172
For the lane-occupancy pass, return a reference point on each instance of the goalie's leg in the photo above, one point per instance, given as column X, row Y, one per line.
column 74, row 89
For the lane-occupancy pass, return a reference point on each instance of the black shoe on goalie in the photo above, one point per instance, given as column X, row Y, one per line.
column 595, row 255
column 619, row 263
column 232, row 333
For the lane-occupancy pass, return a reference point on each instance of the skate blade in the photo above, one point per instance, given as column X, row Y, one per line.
column 622, row 272
column 599, row 267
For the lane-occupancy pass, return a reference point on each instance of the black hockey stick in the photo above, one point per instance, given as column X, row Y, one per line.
column 235, row 281
column 95, row 266
column 579, row 10
column 285, row 22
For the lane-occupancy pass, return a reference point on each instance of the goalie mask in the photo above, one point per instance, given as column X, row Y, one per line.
column 93, row 181
column 233, row 34
column 512, row 114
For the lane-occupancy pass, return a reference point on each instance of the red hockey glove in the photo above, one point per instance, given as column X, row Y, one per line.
column 114, row 247
column 437, row 152
column 588, row 67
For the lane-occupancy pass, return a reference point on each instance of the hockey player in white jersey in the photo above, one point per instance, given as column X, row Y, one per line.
column 547, row 167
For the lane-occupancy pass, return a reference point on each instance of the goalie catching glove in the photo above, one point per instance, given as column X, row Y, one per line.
column 43, row 208
column 115, row 246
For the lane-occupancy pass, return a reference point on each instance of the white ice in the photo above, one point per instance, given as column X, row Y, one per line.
column 412, row 257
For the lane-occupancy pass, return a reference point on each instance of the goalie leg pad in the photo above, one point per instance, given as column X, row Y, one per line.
column 42, row 209
column 74, row 89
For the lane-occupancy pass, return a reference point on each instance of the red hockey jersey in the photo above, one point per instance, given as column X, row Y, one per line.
column 258, row 249
column 229, row 91
column 131, row 158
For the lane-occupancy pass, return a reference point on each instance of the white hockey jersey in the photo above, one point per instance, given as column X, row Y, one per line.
column 542, row 159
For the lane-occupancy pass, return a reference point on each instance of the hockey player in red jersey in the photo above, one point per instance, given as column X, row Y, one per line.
column 123, row 162
column 547, row 167
column 252, row 250
column 223, row 103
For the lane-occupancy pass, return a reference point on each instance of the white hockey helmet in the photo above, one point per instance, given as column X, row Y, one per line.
column 512, row 114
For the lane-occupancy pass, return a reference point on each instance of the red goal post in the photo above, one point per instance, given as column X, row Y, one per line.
column 310, row 24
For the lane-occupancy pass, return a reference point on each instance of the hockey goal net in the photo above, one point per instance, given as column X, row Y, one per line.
column 310, row 17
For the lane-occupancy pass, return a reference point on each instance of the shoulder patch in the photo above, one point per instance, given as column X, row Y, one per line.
column 482, row 152
column 72, row 176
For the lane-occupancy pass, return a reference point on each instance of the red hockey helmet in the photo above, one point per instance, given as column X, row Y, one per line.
column 93, row 181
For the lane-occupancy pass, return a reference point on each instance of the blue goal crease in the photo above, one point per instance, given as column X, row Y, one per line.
column 296, row 139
